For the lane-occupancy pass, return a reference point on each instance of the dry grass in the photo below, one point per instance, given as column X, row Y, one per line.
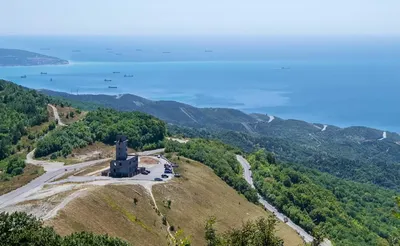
column 91, row 152
column 148, row 161
column 110, row 209
column 196, row 196
column 64, row 111
column 30, row 172
column 97, row 149
column 93, row 168
column 85, row 171
column 199, row 194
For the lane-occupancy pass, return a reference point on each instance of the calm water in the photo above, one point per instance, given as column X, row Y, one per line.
column 343, row 82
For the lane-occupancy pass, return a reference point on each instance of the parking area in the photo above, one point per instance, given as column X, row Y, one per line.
column 156, row 170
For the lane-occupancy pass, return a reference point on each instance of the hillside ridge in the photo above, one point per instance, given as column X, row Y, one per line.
column 17, row 57
column 351, row 152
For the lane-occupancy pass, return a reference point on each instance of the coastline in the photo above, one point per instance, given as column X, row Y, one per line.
column 64, row 63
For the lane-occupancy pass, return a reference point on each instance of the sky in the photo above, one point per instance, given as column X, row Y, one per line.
column 200, row 17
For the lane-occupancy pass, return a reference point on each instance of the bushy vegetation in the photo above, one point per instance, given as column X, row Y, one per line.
column 348, row 213
column 12, row 166
column 253, row 233
column 375, row 162
column 19, row 108
column 143, row 132
column 21, row 229
column 220, row 157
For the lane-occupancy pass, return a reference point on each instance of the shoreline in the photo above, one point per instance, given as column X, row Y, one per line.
column 66, row 63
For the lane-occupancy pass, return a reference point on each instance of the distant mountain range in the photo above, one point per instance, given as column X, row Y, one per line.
column 15, row 57
column 356, row 153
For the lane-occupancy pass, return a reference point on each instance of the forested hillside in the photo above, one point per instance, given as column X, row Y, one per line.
column 19, row 109
column 355, row 153
column 15, row 57
column 169, row 111
column 377, row 166
column 143, row 132
column 348, row 213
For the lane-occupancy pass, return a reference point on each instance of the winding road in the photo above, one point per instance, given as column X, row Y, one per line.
column 247, row 175
column 56, row 115
column 52, row 172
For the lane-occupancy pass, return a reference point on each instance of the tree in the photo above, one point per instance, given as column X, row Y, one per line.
column 179, row 239
column 15, row 166
column 397, row 211
column 52, row 125
column 252, row 233
column 23, row 229
column 210, row 232
column 169, row 204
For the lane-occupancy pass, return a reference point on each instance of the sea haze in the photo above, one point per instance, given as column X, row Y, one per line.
column 347, row 81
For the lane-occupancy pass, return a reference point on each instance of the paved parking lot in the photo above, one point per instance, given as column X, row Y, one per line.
column 156, row 171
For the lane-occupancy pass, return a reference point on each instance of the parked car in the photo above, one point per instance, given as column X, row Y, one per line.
column 285, row 219
column 177, row 175
column 164, row 176
column 158, row 179
column 167, row 171
column 158, row 156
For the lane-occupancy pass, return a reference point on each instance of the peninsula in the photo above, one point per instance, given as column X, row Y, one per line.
column 15, row 57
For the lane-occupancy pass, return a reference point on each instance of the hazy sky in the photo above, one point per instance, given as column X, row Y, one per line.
column 199, row 17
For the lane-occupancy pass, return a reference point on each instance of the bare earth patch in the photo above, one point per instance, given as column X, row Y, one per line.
column 93, row 169
column 148, row 160
column 91, row 152
column 64, row 111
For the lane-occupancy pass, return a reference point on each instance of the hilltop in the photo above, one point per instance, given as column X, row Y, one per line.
column 357, row 153
column 16, row 57
column 195, row 197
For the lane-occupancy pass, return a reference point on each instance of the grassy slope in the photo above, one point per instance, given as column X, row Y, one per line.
column 30, row 172
column 196, row 196
column 200, row 194
column 64, row 111
column 110, row 210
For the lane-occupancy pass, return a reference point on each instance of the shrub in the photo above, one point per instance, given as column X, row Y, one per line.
column 15, row 166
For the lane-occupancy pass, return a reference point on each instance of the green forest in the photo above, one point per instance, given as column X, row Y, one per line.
column 220, row 157
column 18, row 229
column 19, row 109
column 352, row 161
column 143, row 132
column 348, row 213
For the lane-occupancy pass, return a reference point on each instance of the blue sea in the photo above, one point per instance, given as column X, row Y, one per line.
column 342, row 81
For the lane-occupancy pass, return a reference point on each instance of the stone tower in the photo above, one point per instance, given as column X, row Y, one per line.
column 124, row 165
column 121, row 148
